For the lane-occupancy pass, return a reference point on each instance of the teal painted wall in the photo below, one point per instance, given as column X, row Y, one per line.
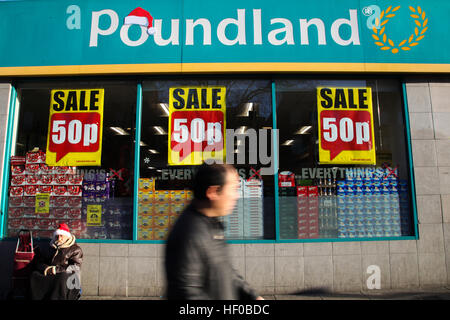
column 36, row 33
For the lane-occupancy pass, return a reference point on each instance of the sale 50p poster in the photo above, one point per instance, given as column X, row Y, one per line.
column 346, row 128
column 75, row 127
column 197, row 123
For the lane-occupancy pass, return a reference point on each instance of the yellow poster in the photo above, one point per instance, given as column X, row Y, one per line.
column 42, row 203
column 75, row 127
column 346, row 130
column 94, row 215
column 197, row 124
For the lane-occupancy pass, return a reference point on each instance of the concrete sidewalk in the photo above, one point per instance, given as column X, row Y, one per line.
column 413, row 294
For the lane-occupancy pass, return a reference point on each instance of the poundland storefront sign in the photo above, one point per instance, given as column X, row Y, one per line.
column 281, row 33
column 196, row 35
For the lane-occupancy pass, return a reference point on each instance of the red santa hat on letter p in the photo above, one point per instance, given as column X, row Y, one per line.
column 141, row 17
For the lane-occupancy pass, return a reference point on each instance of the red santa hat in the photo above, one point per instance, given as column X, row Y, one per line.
column 63, row 229
column 141, row 17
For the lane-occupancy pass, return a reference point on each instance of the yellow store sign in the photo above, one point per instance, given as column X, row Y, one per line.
column 94, row 215
column 197, row 124
column 75, row 127
column 346, row 134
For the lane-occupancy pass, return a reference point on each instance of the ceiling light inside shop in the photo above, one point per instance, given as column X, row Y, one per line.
column 159, row 130
column 142, row 144
column 151, row 167
column 153, row 151
column 165, row 108
column 288, row 142
column 119, row 131
column 249, row 106
column 304, row 130
column 242, row 129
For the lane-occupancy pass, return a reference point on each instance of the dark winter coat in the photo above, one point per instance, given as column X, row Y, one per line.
column 65, row 258
column 197, row 262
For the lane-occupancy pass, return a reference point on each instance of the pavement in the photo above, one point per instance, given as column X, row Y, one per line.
column 441, row 293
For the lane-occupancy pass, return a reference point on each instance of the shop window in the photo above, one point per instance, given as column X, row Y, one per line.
column 316, row 200
column 95, row 201
column 332, row 201
column 164, row 185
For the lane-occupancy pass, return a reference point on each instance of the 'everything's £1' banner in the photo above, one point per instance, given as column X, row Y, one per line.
column 346, row 134
column 197, row 122
column 75, row 127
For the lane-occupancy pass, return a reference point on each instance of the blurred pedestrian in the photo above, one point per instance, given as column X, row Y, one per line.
column 197, row 263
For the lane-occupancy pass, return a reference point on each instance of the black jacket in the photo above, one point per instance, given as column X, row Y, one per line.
column 197, row 262
column 66, row 258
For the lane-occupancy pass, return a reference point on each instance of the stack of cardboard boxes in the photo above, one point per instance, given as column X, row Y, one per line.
column 158, row 209
column 369, row 204
column 288, row 206
column 253, row 209
column 115, row 213
column 246, row 220
column 30, row 176
column 299, row 208
column 308, row 212
column 234, row 223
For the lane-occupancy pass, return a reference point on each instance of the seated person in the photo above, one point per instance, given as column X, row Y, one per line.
column 57, row 277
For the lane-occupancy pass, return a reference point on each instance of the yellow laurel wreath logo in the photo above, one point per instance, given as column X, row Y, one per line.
column 381, row 38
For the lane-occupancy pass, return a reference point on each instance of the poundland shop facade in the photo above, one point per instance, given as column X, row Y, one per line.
column 335, row 116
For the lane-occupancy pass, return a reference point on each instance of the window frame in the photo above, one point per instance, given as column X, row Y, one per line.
column 12, row 122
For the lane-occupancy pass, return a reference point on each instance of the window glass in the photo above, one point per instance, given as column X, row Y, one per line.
column 95, row 201
column 316, row 200
column 341, row 201
column 165, row 188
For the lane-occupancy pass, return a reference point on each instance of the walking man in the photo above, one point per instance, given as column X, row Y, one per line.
column 196, row 258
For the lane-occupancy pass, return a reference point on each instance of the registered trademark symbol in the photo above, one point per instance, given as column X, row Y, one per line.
column 367, row 11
